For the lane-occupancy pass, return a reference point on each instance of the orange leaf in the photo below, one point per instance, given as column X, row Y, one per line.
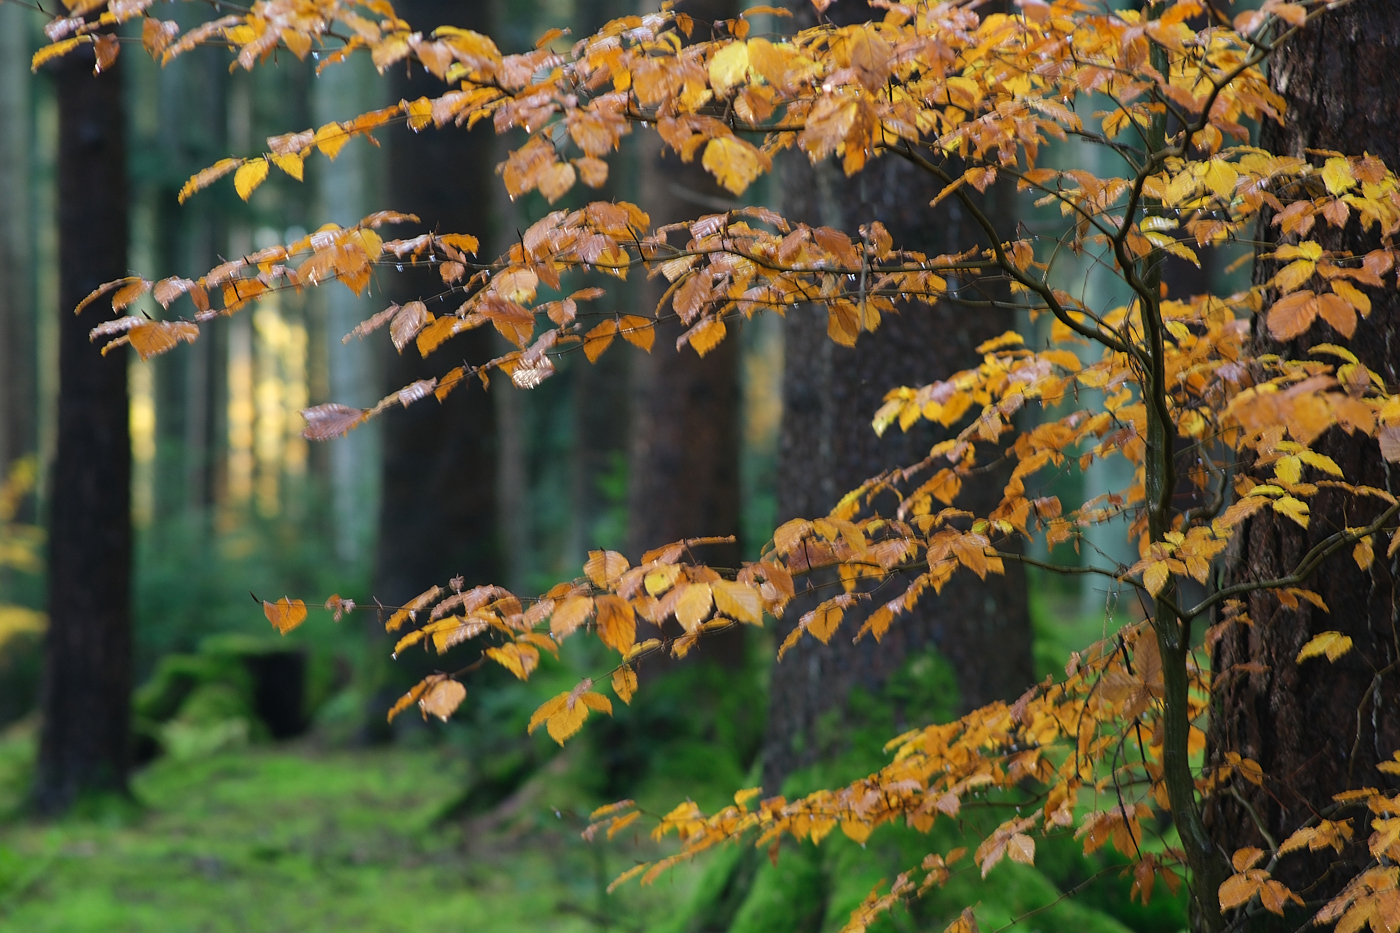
column 285, row 614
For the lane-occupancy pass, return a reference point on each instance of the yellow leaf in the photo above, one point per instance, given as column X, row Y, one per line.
column 624, row 683
column 207, row 177
column 728, row 66
column 1238, row 889
column 706, row 335
column 249, row 176
column 1155, row 576
column 442, row 699
column 1363, row 553
column 50, row 52
column 739, row 601
column 1293, row 508
column 599, row 339
column 604, row 568
column 569, row 615
column 617, row 624
column 638, row 331
column 289, row 162
column 1220, row 177
column 329, row 139
column 1331, row 644
column 519, row 659
column 1337, row 176
column 734, row 162
column 285, row 614
column 693, row 606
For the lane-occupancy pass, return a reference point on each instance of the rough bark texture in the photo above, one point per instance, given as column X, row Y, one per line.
column 683, row 478
column 830, row 394
column 1318, row 728
column 438, row 515
column 83, row 743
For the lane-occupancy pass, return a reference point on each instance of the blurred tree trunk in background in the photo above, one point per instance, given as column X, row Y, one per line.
column 1317, row 727
column 828, row 447
column 438, row 508
column 683, row 471
column 83, row 744
column 18, row 351
column 599, row 391
column 344, row 194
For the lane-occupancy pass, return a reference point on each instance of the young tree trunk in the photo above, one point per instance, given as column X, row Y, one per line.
column 683, row 471
column 830, row 394
column 1317, row 728
column 87, row 674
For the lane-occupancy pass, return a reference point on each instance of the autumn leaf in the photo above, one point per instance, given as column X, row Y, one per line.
column 605, row 567
column 1331, row 644
column 617, row 625
column 285, row 614
column 734, row 162
column 624, row 683
column 442, row 699
column 565, row 714
column 249, row 176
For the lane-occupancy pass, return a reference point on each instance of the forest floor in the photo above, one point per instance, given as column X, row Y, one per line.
column 296, row 838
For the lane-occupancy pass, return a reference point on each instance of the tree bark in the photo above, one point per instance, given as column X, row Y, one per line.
column 1319, row 728
column 83, row 743
column 683, row 472
column 830, row 393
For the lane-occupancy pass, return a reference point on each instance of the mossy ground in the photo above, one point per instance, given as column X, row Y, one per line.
column 292, row 838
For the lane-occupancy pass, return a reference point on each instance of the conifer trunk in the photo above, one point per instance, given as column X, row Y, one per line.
column 437, row 513
column 1317, row 728
column 83, row 745
column 683, row 477
column 830, row 394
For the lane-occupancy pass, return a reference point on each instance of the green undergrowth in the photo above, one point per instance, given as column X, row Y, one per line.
column 295, row 838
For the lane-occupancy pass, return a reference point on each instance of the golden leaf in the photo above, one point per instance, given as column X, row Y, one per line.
column 604, row 568
column 624, row 683
column 285, row 614
column 693, row 606
column 617, row 624
column 738, row 601
column 442, row 699
column 249, row 176
column 734, row 162
column 1332, row 644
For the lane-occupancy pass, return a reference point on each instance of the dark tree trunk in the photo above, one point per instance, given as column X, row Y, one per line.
column 683, row 479
column 87, row 675
column 1319, row 728
column 438, row 500
column 830, row 394
column 438, row 513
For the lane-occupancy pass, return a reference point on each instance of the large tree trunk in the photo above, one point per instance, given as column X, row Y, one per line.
column 1319, row 728
column 683, row 471
column 830, row 393
column 87, row 675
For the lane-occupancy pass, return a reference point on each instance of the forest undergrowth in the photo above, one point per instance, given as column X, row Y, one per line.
column 469, row 827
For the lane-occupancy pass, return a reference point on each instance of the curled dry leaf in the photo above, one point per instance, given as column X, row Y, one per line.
column 332, row 419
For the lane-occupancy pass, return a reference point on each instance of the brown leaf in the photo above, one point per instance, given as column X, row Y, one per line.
column 332, row 419
column 409, row 320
